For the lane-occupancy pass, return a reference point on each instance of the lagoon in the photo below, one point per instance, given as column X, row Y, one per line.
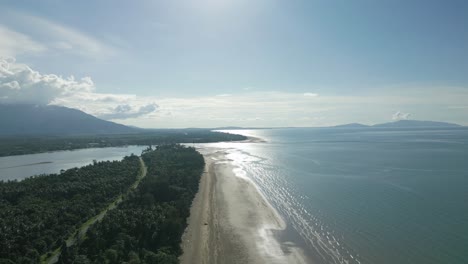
column 23, row 166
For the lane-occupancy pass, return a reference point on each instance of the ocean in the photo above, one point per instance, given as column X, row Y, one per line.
column 364, row 195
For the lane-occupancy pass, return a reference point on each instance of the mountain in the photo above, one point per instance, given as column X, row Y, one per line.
column 242, row 128
column 24, row 119
column 352, row 125
column 416, row 124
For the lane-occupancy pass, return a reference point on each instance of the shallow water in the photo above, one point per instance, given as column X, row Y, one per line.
column 363, row 195
column 23, row 166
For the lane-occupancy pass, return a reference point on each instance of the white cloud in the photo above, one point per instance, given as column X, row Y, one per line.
column 310, row 94
column 68, row 39
column 39, row 35
column 13, row 43
column 283, row 109
column 127, row 111
column 20, row 84
column 400, row 116
column 62, row 45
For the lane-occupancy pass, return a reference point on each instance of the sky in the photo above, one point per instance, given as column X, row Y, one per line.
column 252, row 63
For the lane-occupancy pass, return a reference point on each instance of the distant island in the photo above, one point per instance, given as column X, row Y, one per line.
column 394, row 124
column 352, row 125
column 416, row 124
column 403, row 124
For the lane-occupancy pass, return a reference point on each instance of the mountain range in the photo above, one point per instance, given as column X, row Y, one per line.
column 404, row 124
column 416, row 124
column 25, row 119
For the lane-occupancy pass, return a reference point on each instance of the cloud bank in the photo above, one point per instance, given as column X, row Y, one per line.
column 21, row 84
column 127, row 111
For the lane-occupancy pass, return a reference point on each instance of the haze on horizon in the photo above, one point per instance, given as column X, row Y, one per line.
column 213, row 63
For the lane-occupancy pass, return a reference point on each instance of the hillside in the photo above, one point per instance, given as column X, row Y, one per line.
column 23, row 119
column 352, row 125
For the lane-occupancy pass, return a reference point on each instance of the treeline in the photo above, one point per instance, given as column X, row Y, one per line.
column 148, row 225
column 39, row 213
column 27, row 145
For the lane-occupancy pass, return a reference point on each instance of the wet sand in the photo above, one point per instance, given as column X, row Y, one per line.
column 231, row 222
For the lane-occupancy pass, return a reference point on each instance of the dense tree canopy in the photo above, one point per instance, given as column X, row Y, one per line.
column 147, row 227
column 39, row 213
column 27, row 145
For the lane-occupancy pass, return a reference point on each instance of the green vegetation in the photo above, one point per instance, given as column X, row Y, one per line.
column 147, row 226
column 80, row 232
column 27, row 145
column 39, row 213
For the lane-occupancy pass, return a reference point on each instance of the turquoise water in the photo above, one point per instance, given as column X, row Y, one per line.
column 365, row 195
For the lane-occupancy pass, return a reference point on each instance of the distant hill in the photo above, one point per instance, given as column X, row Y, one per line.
column 229, row 128
column 416, row 124
column 23, row 119
column 352, row 125
column 242, row 128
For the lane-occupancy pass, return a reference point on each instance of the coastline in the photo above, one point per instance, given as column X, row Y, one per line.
column 231, row 222
column 251, row 139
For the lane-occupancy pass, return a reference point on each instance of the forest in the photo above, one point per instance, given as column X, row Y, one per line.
column 16, row 145
column 39, row 213
column 147, row 227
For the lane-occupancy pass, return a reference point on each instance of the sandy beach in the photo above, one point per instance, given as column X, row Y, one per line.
column 231, row 222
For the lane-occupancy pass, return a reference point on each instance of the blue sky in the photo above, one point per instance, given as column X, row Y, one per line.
column 240, row 62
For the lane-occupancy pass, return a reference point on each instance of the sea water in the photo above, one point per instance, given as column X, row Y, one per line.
column 364, row 195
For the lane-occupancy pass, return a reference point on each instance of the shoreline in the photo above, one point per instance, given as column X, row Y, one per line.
column 251, row 139
column 231, row 222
